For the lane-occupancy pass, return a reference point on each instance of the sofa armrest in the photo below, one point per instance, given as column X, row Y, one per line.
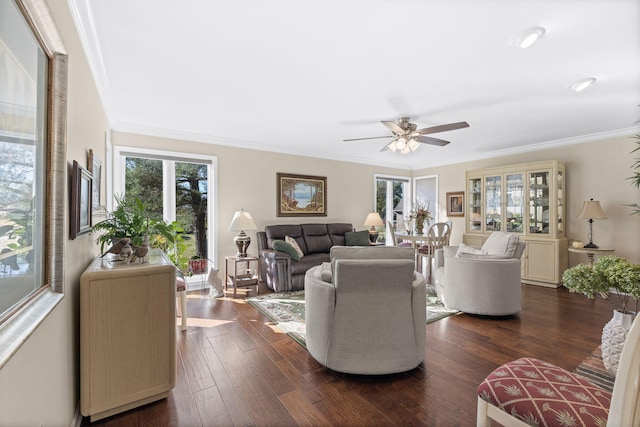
column 275, row 268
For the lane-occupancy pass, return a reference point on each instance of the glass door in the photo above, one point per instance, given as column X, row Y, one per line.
column 539, row 202
column 474, row 204
column 493, row 203
column 515, row 202
column 392, row 203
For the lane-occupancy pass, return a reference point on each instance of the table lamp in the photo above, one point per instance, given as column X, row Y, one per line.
column 373, row 220
column 242, row 221
column 591, row 210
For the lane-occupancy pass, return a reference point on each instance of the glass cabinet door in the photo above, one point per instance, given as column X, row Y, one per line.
column 559, row 203
column 492, row 203
column 515, row 203
column 474, row 204
column 539, row 202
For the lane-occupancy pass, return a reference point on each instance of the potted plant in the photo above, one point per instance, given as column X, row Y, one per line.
column 618, row 281
column 132, row 221
column 421, row 214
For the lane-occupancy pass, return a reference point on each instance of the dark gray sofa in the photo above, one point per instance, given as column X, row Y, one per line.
column 278, row 270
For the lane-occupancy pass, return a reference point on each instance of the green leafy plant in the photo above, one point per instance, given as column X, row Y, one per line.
column 131, row 220
column 609, row 272
column 635, row 178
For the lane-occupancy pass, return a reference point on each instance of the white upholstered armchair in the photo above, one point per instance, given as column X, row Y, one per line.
column 480, row 281
column 366, row 311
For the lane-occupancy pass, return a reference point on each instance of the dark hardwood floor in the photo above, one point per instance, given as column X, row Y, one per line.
column 236, row 369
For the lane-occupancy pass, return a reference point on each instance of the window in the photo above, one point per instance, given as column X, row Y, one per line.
column 33, row 78
column 393, row 201
column 425, row 189
column 175, row 187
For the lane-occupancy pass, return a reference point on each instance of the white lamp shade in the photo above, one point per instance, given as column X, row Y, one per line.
column 373, row 219
column 591, row 209
column 242, row 221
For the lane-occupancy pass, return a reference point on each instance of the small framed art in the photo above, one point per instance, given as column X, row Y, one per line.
column 94, row 164
column 301, row 195
column 81, row 193
column 455, row 203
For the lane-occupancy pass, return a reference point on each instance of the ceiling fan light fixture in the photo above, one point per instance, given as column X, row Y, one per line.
column 413, row 144
column 401, row 143
column 528, row 37
column 406, row 150
column 580, row 85
column 392, row 146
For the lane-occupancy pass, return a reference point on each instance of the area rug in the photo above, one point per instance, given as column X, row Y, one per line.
column 286, row 309
column 593, row 369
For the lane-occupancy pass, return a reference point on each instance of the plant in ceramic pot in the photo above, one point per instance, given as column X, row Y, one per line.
column 131, row 220
column 618, row 281
column 421, row 214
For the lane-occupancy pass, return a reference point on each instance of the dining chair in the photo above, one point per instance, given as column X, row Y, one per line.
column 394, row 239
column 437, row 237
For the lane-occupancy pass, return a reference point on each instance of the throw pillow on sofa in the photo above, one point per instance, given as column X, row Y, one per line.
column 357, row 238
column 282, row 246
column 290, row 240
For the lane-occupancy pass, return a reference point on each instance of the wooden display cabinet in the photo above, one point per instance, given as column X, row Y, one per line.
column 526, row 199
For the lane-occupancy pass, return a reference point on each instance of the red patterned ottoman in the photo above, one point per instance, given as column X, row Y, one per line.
column 542, row 394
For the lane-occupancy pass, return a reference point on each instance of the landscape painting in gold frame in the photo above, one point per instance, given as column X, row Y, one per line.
column 301, row 195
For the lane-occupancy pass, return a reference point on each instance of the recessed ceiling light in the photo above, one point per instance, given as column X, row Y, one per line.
column 528, row 37
column 582, row 84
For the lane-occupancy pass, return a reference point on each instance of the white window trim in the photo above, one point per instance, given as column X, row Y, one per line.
column 119, row 154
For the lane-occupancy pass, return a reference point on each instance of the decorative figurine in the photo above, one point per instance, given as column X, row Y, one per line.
column 139, row 252
column 215, row 283
column 117, row 248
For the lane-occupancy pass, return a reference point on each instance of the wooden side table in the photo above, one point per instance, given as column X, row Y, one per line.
column 243, row 278
column 591, row 252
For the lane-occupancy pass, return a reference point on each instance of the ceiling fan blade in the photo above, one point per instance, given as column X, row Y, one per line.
column 371, row 137
column 394, row 127
column 442, row 128
column 431, row 140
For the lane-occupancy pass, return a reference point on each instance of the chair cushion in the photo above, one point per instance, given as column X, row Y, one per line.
column 282, row 246
column 499, row 243
column 337, row 231
column 357, row 238
column 540, row 393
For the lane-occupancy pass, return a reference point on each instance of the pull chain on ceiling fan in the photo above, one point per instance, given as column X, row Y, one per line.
column 407, row 138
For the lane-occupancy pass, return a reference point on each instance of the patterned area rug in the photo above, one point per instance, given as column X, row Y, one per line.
column 593, row 369
column 286, row 309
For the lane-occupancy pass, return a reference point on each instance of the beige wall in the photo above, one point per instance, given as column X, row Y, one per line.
column 39, row 386
column 247, row 180
column 597, row 170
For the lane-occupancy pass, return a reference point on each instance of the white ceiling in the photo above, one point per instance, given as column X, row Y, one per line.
column 300, row 76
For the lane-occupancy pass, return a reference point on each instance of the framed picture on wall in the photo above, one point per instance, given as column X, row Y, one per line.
column 455, row 203
column 94, row 164
column 81, row 181
column 301, row 195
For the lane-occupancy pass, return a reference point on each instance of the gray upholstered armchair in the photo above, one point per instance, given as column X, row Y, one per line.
column 366, row 311
column 479, row 283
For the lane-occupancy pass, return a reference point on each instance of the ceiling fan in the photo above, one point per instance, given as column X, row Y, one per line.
column 406, row 136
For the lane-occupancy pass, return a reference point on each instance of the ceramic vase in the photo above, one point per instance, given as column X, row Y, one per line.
column 614, row 334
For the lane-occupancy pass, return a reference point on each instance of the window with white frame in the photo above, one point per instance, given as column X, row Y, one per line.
column 173, row 186
column 392, row 201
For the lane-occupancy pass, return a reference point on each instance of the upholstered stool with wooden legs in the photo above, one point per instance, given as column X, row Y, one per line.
column 181, row 295
column 528, row 392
